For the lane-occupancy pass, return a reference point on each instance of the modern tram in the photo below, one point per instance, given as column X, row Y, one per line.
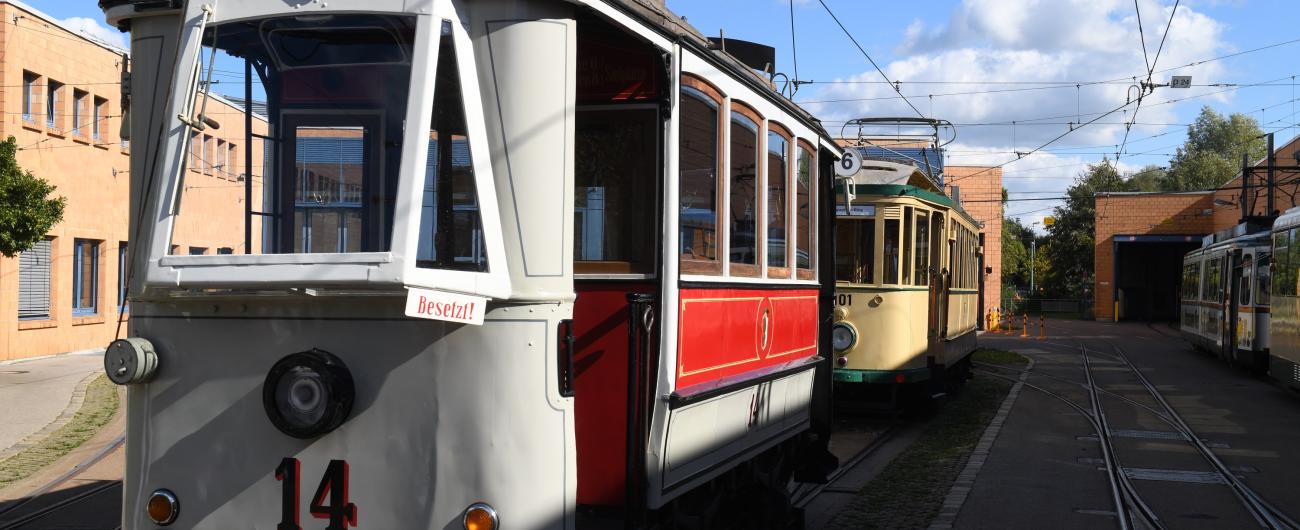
column 521, row 264
column 907, row 270
column 1225, row 307
column 1284, row 322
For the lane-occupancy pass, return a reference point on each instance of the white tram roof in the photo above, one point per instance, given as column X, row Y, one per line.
column 657, row 17
column 1289, row 219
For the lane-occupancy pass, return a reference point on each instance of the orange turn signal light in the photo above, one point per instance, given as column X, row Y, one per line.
column 163, row 507
column 479, row 516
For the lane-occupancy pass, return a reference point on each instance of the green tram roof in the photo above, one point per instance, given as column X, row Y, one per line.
column 905, row 190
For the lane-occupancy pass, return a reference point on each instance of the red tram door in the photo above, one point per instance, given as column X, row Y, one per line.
column 618, row 169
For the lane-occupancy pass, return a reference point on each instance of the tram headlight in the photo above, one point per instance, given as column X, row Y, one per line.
column 308, row 394
column 843, row 336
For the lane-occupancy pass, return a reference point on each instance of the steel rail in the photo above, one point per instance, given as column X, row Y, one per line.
column 67, row 475
column 1114, row 395
column 1266, row 514
column 800, row 500
column 39, row 514
column 1119, row 480
column 1082, row 412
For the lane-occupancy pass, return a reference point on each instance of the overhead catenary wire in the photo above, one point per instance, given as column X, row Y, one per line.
column 848, row 34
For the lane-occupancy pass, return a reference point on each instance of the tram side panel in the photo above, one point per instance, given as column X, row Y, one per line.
column 1284, row 321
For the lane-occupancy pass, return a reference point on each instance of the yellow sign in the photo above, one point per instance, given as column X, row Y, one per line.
column 1049, row 221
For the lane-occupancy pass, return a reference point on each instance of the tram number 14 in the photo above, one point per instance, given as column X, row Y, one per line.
column 341, row 513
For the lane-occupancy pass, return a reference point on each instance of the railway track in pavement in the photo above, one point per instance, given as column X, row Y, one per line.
column 45, row 502
column 1110, row 379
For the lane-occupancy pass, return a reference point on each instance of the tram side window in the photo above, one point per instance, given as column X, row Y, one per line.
column 1282, row 255
column 698, row 212
column 1244, row 283
column 743, row 244
column 451, row 230
column 1213, row 291
column 891, row 252
column 614, row 174
column 922, row 274
column 778, row 215
column 1263, row 273
column 1289, row 276
column 907, row 245
column 805, row 218
column 855, row 250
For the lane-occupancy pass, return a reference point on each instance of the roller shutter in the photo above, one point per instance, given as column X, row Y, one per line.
column 34, row 281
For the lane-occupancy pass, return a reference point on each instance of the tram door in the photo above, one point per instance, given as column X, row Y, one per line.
column 937, row 280
column 1231, row 308
column 618, row 175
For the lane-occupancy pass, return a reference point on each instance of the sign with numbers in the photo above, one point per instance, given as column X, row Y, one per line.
column 1180, row 81
column 849, row 164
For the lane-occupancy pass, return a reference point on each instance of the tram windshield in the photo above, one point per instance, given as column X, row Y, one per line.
column 301, row 152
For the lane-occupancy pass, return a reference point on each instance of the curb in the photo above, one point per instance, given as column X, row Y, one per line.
column 965, row 482
column 74, row 405
column 91, row 351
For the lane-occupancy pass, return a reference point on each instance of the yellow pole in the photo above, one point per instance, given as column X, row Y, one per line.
column 1024, row 332
column 1041, row 325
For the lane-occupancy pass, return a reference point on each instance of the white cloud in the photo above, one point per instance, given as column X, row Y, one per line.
column 95, row 30
column 1069, row 41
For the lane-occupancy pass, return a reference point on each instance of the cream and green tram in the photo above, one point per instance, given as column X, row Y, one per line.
column 907, row 282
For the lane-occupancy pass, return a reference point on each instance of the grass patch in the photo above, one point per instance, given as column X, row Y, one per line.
column 98, row 408
column 995, row 356
column 909, row 492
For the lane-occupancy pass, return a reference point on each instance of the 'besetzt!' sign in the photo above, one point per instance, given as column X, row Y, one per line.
column 438, row 305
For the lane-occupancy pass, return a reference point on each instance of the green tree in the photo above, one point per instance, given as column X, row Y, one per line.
column 26, row 210
column 1015, row 255
column 1212, row 153
column 1068, row 251
column 1149, row 178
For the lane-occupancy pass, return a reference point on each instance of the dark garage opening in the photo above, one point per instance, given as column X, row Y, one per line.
column 1148, row 275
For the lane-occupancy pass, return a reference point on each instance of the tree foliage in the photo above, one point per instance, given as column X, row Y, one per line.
column 1071, row 244
column 1212, row 154
column 27, row 212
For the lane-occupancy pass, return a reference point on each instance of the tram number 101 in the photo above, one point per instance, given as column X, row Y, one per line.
column 341, row 513
column 843, row 299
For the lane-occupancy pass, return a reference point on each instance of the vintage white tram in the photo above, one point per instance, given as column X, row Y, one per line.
column 494, row 263
column 1225, row 304
column 907, row 269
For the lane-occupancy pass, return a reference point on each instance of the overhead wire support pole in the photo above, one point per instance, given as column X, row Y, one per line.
column 894, row 84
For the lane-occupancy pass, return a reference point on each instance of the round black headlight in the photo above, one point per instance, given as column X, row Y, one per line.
column 308, row 394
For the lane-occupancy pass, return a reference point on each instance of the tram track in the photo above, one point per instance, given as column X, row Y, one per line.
column 802, row 497
column 44, row 511
column 1264, row 514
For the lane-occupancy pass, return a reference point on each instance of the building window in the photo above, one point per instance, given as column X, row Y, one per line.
column 744, row 214
column 78, row 111
column 53, row 91
column 29, row 95
column 698, row 214
column 96, row 126
column 34, row 282
column 220, row 163
column 225, row 250
column 85, row 277
column 233, row 161
column 198, row 251
column 196, row 146
column 123, row 272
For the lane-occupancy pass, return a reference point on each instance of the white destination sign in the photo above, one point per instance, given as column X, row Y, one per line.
column 438, row 305
column 865, row 210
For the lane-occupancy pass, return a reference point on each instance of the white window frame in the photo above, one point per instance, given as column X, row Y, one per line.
column 390, row 269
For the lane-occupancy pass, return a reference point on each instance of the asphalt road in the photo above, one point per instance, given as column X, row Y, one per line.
column 1046, row 467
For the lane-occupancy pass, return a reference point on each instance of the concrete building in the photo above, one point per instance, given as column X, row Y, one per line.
column 1141, row 237
column 60, row 92
column 981, row 197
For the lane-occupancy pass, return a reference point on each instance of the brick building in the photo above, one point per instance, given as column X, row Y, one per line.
column 60, row 93
column 1141, row 238
column 981, row 197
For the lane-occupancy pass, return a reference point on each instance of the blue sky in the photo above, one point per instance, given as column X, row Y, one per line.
column 1034, row 51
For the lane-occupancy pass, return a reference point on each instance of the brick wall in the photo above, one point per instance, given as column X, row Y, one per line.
column 1142, row 214
column 981, row 196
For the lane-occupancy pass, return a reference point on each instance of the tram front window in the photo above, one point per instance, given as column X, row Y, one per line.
column 307, row 116
column 855, row 245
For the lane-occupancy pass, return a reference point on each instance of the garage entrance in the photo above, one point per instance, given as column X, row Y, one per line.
column 1148, row 272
